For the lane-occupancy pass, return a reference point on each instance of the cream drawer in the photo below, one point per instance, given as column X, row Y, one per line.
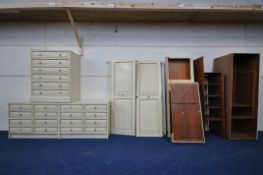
column 67, row 114
column 95, row 115
column 71, row 130
column 50, row 93
column 96, row 108
column 96, row 130
column 71, row 107
column 50, row 70
column 51, row 78
column 20, row 107
column 45, row 107
column 20, row 130
column 71, row 122
column 95, row 123
column 50, row 85
column 21, row 115
column 20, row 123
column 46, row 114
column 49, row 55
column 46, row 130
column 50, row 63
column 46, row 123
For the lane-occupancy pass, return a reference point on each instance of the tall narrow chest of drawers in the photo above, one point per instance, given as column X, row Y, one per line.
column 89, row 119
column 55, row 76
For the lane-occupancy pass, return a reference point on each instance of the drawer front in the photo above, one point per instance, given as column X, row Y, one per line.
column 50, row 78
column 96, row 108
column 50, row 92
column 46, row 123
column 46, row 114
column 20, row 130
column 46, row 130
column 95, row 130
column 71, row 130
column 50, row 63
column 50, row 55
column 50, row 85
column 21, row 115
column 50, row 70
column 70, row 114
column 71, row 122
column 44, row 107
column 95, row 123
column 95, row 115
column 70, row 107
column 20, row 123
column 20, row 107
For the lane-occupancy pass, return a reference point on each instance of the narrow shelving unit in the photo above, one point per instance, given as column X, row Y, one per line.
column 214, row 103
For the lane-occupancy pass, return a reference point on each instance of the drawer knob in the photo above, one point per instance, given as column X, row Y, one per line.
column 20, row 107
column 95, row 115
column 20, row 122
column 71, row 115
column 45, row 115
column 40, row 70
column 95, row 129
column 95, row 107
column 20, row 130
column 95, row 122
column 60, row 78
column 71, row 130
column 59, row 70
column 40, row 78
column 20, row 115
column 40, row 62
column 148, row 96
column 60, row 55
column 45, row 107
column 60, row 93
column 60, row 62
column 60, row 85
column 71, row 122
column 45, row 130
column 40, row 93
column 45, row 122
column 39, row 54
column 40, row 85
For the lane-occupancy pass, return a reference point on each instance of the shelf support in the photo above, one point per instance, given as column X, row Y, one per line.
column 76, row 33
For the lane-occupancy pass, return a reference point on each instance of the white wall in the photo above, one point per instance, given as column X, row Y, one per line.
column 132, row 41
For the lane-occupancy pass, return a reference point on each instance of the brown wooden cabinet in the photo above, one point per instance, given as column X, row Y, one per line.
column 178, row 70
column 186, row 114
column 241, row 93
column 211, row 86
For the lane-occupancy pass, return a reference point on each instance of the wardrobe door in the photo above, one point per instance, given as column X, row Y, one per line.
column 148, row 99
column 123, row 98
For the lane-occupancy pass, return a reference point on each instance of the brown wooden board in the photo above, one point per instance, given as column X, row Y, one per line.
column 199, row 77
column 186, row 113
column 241, row 93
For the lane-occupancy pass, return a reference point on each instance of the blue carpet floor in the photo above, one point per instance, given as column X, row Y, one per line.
column 126, row 155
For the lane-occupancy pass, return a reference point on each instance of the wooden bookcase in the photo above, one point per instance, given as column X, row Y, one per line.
column 214, row 113
column 241, row 93
column 178, row 70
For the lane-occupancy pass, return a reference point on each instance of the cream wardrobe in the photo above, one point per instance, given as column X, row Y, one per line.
column 136, row 98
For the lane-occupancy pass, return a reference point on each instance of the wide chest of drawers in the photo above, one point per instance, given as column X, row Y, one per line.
column 89, row 119
column 55, row 76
